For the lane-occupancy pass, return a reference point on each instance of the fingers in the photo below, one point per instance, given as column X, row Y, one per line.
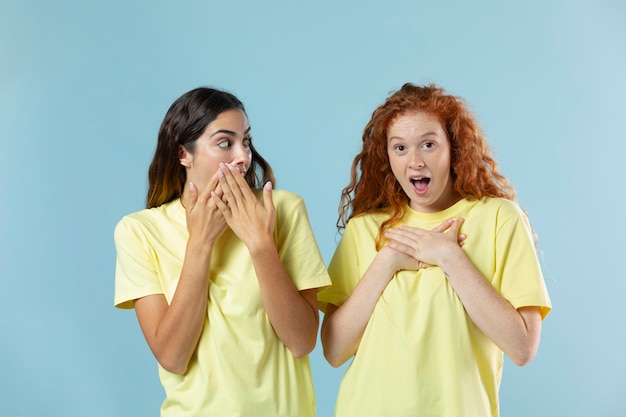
column 193, row 197
column 403, row 249
column 443, row 226
column 456, row 226
column 234, row 186
column 454, row 229
column 404, row 235
column 204, row 195
column 211, row 186
column 218, row 190
column 423, row 245
column 402, row 240
column 267, row 195
column 202, row 214
column 221, row 205
column 232, row 191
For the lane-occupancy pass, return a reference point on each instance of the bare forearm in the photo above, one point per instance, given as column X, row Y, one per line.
column 516, row 334
column 178, row 327
column 294, row 319
column 344, row 326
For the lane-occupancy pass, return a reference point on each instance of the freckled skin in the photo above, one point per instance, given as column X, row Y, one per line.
column 418, row 148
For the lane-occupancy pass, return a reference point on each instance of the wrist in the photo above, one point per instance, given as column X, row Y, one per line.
column 199, row 247
column 386, row 262
column 450, row 257
column 261, row 245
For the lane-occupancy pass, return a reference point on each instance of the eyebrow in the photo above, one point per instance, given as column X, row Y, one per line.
column 422, row 136
column 230, row 132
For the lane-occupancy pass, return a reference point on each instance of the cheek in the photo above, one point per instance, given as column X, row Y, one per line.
column 443, row 164
column 214, row 166
column 396, row 168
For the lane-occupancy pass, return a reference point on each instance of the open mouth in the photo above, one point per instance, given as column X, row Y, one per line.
column 420, row 184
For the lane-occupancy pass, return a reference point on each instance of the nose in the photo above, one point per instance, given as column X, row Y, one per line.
column 416, row 161
column 242, row 157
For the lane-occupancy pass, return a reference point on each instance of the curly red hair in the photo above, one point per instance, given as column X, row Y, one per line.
column 374, row 188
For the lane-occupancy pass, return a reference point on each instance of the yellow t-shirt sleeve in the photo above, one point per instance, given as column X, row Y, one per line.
column 135, row 274
column 344, row 271
column 296, row 243
column 518, row 273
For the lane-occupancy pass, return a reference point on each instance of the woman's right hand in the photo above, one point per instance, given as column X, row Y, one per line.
column 173, row 330
column 204, row 220
column 398, row 261
column 408, row 243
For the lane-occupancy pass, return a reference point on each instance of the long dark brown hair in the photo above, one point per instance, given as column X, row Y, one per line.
column 374, row 188
column 184, row 123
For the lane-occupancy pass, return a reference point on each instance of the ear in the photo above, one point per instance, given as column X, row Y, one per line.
column 184, row 156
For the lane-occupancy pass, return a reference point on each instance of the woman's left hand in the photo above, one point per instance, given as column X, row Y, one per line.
column 252, row 221
column 427, row 246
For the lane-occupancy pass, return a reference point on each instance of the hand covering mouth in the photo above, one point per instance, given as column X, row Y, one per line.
column 239, row 168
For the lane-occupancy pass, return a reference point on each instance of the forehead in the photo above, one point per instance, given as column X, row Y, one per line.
column 233, row 120
column 415, row 122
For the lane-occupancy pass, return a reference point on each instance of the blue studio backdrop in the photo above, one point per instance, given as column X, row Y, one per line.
column 84, row 86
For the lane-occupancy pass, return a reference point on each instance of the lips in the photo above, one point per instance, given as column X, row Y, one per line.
column 420, row 184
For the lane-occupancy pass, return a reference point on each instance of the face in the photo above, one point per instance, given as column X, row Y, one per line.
column 419, row 154
column 225, row 140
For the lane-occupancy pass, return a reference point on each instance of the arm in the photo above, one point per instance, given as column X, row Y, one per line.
column 172, row 331
column 292, row 313
column 515, row 331
column 343, row 327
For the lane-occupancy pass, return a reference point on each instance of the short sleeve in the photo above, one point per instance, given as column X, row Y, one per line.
column 135, row 272
column 344, row 270
column 296, row 243
column 518, row 273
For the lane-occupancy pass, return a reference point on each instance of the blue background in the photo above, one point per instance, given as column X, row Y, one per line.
column 84, row 86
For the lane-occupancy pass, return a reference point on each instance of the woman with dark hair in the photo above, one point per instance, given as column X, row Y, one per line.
column 426, row 318
column 223, row 271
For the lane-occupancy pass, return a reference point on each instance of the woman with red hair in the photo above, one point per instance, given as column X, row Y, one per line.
column 436, row 276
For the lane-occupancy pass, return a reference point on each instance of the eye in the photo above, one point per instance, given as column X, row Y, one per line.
column 247, row 142
column 225, row 144
column 399, row 148
column 428, row 145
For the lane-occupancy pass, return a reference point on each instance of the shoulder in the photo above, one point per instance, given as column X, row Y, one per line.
column 133, row 220
column 287, row 203
column 368, row 219
column 148, row 219
column 284, row 197
column 141, row 217
column 366, row 225
column 507, row 215
column 280, row 197
column 501, row 207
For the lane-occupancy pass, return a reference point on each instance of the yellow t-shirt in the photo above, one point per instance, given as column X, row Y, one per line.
column 240, row 367
column 420, row 354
